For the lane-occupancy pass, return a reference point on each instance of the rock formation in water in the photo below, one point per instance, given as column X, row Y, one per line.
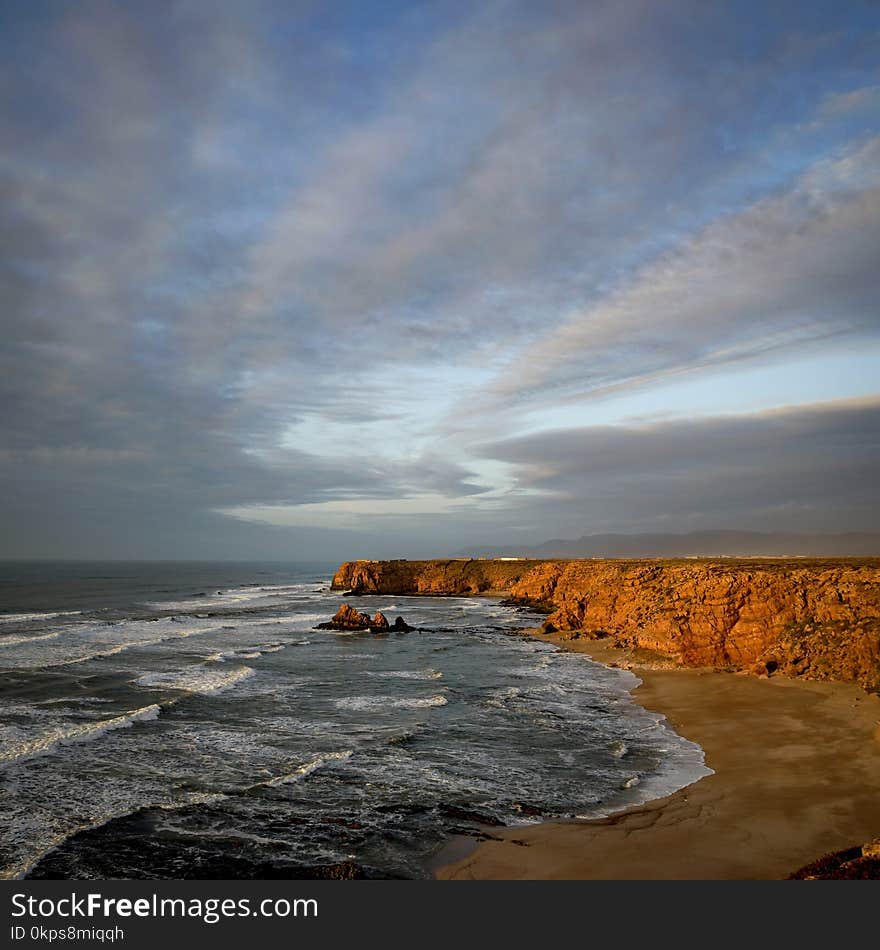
column 814, row 618
column 348, row 618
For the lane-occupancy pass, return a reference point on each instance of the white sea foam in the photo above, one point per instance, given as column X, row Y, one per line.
column 307, row 768
column 386, row 702
column 202, row 680
column 501, row 698
column 422, row 703
column 252, row 652
column 91, row 642
column 236, row 597
column 428, row 674
column 258, row 746
column 83, row 733
column 24, row 618
column 15, row 641
column 285, row 778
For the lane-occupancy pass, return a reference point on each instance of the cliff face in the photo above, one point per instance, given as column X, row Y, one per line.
column 819, row 619
column 457, row 576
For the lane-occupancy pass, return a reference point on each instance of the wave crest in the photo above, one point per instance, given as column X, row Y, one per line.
column 48, row 742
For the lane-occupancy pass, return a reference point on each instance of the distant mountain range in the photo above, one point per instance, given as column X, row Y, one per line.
column 702, row 543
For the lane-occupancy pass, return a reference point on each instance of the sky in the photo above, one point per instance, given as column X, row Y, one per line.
column 326, row 280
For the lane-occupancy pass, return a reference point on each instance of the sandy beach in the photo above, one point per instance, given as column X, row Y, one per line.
column 797, row 774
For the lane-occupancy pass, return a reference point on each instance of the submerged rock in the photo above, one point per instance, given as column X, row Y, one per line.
column 524, row 808
column 468, row 814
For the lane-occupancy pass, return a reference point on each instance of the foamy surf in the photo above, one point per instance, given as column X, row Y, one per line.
column 304, row 770
column 421, row 675
column 25, row 618
column 83, row 643
column 247, row 652
column 201, row 680
column 241, row 779
column 13, row 641
column 240, row 597
column 48, row 742
column 390, row 702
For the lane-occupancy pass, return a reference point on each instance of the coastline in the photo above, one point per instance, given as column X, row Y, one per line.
column 816, row 619
column 796, row 772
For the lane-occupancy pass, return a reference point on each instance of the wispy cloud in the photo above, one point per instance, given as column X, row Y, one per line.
column 269, row 255
column 790, row 269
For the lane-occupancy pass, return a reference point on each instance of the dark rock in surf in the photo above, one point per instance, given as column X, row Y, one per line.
column 529, row 810
column 349, row 618
column 466, row 814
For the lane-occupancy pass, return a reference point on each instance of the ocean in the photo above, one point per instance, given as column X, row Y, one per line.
column 186, row 720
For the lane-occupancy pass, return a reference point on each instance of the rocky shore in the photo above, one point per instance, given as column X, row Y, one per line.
column 810, row 618
column 796, row 761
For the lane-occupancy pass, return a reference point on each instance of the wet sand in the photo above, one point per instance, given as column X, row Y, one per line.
column 797, row 774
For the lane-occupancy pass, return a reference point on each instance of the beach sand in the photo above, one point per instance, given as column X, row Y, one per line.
column 797, row 774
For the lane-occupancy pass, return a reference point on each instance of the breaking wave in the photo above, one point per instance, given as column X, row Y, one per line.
column 15, row 641
column 24, row 618
column 201, row 680
column 389, row 702
column 51, row 740
column 428, row 674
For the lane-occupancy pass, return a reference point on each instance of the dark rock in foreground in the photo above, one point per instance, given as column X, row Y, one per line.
column 467, row 814
column 861, row 863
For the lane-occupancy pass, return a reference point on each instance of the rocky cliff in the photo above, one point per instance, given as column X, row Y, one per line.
column 814, row 618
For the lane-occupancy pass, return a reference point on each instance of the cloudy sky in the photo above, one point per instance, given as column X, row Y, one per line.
column 328, row 279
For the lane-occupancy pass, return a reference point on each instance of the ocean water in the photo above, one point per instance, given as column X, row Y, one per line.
column 187, row 721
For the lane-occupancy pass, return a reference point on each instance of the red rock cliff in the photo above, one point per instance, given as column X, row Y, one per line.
column 815, row 618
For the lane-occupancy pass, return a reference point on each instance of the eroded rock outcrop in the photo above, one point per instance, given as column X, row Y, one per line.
column 814, row 618
column 349, row 618
column 346, row 618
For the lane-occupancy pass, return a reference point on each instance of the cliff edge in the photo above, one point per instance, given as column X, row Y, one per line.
column 814, row 618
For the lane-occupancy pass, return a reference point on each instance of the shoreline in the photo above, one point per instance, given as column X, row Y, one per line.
column 796, row 775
